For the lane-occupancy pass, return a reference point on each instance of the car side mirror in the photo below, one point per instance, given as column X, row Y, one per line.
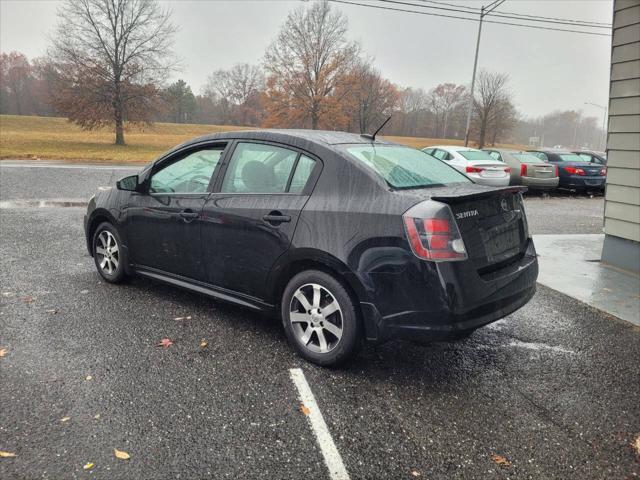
column 129, row 184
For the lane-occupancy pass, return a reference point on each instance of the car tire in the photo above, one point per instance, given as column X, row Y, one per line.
column 320, row 319
column 108, row 254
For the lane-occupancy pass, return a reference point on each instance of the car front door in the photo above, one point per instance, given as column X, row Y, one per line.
column 164, row 222
column 250, row 218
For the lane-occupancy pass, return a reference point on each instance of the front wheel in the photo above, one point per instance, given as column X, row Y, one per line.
column 107, row 253
column 320, row 319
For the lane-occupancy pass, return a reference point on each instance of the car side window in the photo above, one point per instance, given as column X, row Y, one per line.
column 190, row 174
column 440, row 154
column 303, row 172
column 259, row 168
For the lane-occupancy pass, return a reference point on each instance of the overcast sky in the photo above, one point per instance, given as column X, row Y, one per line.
column 549, row 70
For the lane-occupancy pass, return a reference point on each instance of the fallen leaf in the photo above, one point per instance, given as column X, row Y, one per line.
column 637, row 445
column 188, row 318
column 96, row 416
column 27, row 299
column 7, row 454
column 88, row 377
column 500, row 460
column 51, row 310
column 8, row 294
column 304, row 409
column 203, row 343
column 84, row 291
column 165, row 342
column 415, row 473
column 65, row 419
column 121, row 455
column 177, row 319
column 88, row 466
column 3, row 352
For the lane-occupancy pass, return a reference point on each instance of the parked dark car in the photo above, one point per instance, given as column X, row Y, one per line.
column 592, row 157
column 575, row 173
column 343, row 237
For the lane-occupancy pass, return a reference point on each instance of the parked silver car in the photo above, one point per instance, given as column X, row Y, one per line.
column 527, row 169
column 475, row 164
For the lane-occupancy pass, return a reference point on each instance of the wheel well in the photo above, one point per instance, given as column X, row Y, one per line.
column 97, row 220
column 300, row 266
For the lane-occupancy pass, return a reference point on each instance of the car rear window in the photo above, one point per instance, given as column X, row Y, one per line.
column 527, row 158
column 571, row 157
column 404, row 167
column 476, row 155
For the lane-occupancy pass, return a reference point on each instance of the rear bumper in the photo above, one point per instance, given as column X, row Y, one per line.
column 581, row 182
column 431, row 302
column 540, row 183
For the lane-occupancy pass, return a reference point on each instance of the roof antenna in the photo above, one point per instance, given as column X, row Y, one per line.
column 373, row 137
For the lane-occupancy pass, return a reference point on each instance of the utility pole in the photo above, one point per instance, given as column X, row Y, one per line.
column 483, row 12
column 603, row 135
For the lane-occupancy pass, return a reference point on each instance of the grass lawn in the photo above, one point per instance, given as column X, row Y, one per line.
column 46, row 138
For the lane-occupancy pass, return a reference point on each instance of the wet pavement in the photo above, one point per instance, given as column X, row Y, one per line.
column 549, row 392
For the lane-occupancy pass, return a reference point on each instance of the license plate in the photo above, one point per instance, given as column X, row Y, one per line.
column 492, row 173
column 594, row 183
column 501, row 241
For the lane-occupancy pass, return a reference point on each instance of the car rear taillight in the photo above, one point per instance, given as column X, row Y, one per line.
column 523, row 170
column 474, row 169
column 603, row 172
column 436, row 237
column 574, row 171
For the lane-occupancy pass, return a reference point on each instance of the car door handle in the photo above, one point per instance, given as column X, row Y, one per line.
column 188, row 215
column 276, row 218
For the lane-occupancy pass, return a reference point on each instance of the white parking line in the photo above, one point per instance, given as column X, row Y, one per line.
column 332, row 457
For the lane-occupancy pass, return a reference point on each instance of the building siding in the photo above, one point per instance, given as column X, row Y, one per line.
column 622, row 197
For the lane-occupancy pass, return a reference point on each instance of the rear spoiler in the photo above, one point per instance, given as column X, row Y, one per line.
column 473, row 195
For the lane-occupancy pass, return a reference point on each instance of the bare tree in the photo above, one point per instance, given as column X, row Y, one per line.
column 111, row 56
column 503, row 122
column 305, row 63
column 238, row 92
column 443, row 100
column 492, row 90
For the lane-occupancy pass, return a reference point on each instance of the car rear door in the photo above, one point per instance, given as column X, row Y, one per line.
column 250, row 218
column 164, row 222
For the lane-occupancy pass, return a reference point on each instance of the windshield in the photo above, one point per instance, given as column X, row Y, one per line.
column 404, row 167
column 527, row 158
column 571, row 157
column 476, row 155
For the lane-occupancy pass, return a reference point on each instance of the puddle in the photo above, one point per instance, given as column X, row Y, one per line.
column 51, row 203
column 539, row 347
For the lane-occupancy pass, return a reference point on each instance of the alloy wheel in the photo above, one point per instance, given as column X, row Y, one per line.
column 316, row 318
column 107, row 249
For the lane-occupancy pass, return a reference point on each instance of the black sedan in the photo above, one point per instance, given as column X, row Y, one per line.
column 574, row 171
column 344, row 237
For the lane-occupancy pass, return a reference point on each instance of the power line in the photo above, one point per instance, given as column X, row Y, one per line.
column 489, row 11
column 477, row 10
column 538, row 27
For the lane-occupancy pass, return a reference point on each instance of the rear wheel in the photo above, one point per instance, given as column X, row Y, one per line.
column 107, row 253
column 320, row 318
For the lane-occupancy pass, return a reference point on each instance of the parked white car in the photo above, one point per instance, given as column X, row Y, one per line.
column 481, row 167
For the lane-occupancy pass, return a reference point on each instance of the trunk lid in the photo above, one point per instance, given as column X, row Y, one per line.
column 541, row 170
column 492, row 224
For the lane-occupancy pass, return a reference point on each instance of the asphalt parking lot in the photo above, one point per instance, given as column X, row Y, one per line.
column 549, row 392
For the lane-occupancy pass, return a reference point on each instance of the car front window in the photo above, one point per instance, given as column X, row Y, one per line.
column 190, row 174
column 404, row 167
